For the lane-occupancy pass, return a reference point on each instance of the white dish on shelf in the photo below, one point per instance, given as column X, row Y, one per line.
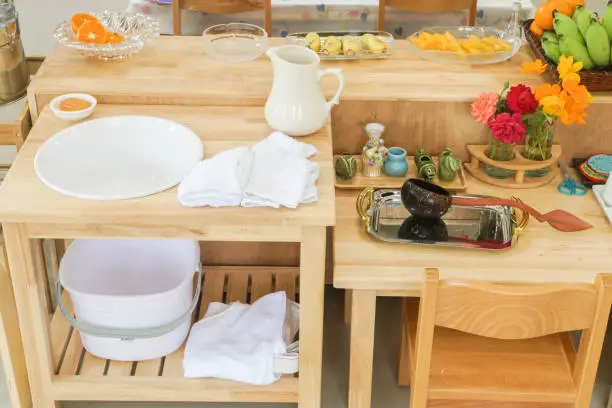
column 118, row 158
column 463, row 32
column 598, row 190
column 73, row 116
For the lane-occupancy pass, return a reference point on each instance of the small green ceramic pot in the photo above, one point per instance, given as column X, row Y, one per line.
column 346, row 166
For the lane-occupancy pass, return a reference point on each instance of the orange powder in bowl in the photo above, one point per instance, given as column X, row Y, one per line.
column 74, row 104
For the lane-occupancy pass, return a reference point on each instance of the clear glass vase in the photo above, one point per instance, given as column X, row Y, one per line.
column 499, row 151
column 538, row 146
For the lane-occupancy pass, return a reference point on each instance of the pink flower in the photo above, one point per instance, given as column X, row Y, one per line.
column 521, row 100
column 484, row 107
column 508, row 129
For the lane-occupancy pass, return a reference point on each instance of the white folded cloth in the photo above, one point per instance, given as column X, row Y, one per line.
column 275, row 172
column 239, row 342
column 218, row 181
column 281, row 173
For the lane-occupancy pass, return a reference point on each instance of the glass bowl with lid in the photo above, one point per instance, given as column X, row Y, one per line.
column 235, row 42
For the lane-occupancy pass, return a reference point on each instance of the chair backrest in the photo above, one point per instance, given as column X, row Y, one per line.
column 516, row 311
column 221, row 7
column 427, row 6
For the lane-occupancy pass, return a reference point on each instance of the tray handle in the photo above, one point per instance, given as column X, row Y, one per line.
column 365, row 194
column 520, row 218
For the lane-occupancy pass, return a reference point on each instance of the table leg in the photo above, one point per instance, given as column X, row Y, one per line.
column 11, row 348
column 312, row 293
column 24, row 255
column 363, row 318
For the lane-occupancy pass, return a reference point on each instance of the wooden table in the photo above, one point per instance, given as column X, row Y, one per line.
column 30, row 212
column 370, row 268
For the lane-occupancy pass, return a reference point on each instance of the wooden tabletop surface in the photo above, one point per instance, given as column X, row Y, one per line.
column 25, row 199
column 541, row 254
column 175, row 70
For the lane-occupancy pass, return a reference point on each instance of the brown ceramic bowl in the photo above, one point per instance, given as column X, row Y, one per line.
column 425, row 199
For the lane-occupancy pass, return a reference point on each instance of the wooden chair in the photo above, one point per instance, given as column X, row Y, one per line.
column 221, row 7
column 427, row 6
column 503, row 345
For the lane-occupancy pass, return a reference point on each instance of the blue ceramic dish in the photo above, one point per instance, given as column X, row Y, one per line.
column 601, row 163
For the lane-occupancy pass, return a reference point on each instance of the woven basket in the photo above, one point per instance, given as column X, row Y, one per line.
column 596, row 80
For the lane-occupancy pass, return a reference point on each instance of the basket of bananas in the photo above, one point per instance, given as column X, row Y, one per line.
column 346, row 45
column 574, row 31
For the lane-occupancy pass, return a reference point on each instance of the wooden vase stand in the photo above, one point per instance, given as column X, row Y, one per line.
column 519, row 165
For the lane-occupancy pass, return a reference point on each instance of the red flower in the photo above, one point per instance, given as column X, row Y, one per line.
column 508, row 129
column 521, row 100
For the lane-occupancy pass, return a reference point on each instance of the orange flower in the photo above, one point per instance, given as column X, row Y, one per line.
column 571, row 84
column 533, row 67
column 545, row 90
column 574, row 110
column 567, row 66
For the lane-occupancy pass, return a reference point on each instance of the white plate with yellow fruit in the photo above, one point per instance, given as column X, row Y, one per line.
column 464, row 45
column 346, row 45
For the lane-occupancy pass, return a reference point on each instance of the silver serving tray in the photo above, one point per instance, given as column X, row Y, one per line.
column 299, row 39
column 486, row 227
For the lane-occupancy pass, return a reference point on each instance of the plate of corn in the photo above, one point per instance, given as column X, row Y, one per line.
column 346, row 45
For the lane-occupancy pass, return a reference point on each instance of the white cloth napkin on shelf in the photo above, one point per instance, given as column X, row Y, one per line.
column 218, row 181
column 281, row 173
column 239, row 342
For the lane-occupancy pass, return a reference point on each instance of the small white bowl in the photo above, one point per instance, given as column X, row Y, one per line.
column 73, row 116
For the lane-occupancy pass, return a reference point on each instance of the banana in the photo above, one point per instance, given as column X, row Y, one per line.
column 598, row 43
column 563, row 47
column 313, row 41
column 373, row 44
column 551, row 49
column 332, row 46
column 566, row 27
column 350, row 45
column 575, row 49
column 583, row 19
column 550, row 37
column 578, row 11
column 607, row 20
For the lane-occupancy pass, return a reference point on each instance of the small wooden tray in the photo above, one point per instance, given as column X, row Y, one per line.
column 519, row 164
column 359, row 181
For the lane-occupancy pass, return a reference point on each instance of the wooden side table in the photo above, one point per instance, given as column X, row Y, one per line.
column 60, row 369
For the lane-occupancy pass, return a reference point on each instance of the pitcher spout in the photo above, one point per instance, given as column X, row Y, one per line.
column 272, row 53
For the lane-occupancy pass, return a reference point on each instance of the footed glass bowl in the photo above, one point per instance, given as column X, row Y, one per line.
column 137, row 29
column 464, row 32
column 235, row 42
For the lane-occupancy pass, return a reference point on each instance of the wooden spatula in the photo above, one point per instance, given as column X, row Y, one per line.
column 559, row 219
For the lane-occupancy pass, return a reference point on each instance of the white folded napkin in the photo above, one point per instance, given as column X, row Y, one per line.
column 275, row 172
column 281, row 173
column 239, row 342
column 218, row 181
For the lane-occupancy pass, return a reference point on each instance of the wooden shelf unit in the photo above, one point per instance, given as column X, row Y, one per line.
column 76, row 368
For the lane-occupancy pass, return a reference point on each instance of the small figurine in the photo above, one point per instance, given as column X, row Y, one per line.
column 396, row 164
column 374, row 153
column 425, row 165
column 448, row 165
column 346, row 166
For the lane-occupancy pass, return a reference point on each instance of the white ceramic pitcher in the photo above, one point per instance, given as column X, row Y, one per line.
column 296, row 105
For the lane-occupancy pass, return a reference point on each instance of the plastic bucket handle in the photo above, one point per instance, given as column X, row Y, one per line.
column 128, row 334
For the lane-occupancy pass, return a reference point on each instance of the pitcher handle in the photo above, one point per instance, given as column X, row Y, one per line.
column 338, row 73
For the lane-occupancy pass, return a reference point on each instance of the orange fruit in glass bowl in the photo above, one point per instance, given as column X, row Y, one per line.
column 536, row 30
column 114, row 38
column 78, row 19
column 92, row 32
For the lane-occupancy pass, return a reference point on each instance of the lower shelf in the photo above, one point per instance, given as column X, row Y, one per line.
column 82, row 376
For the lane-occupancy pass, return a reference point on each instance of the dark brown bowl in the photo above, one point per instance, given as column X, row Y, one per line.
column 425, row 199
